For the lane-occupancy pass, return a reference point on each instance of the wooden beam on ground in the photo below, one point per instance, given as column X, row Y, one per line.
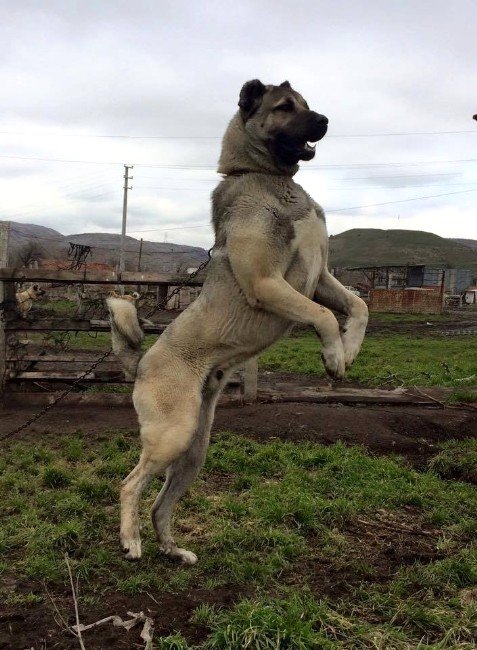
column 326, row 396
column 376, row 396
column 97, row 277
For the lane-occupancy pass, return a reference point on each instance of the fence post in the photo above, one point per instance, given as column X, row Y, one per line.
column 250, row 380
column 6, row 290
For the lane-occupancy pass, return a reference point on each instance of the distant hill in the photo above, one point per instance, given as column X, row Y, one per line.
column 357, row 247
column 470, row 243
column 30, row 240
column 373, row 247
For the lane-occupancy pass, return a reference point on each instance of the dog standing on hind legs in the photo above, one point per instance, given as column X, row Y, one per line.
column 268, row 271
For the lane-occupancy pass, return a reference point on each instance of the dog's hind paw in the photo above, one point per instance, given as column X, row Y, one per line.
column 131, row 549
column 180, row 554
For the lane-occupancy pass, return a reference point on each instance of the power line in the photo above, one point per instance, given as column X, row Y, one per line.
column 355, row 207
column 218, row 137
column 204, row 225
column 341, row 187
column 213, row 167
column 416, row 198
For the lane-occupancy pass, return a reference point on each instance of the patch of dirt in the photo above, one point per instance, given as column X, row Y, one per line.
column 410, row 431
column 39, row 626
column 375, row 548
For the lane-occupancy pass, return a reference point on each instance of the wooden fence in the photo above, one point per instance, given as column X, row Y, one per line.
column 23, row 365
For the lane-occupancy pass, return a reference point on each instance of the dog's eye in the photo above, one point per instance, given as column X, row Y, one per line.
column 284, row 107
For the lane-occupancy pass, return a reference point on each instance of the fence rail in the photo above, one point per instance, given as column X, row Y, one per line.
column 96, row 277
column 29, row 351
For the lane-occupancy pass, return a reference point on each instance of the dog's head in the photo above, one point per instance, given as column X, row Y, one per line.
column 35, row 292
column 275, row 128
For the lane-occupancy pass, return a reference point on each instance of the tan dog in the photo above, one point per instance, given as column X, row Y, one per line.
column 268, row 271
column 131, row 297
column 26, row 298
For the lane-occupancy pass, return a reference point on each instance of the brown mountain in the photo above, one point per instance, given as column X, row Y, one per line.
column 30, row 241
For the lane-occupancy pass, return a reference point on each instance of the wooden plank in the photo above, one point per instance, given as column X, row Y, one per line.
column 71, row 325
column 329, row 396
column 351, row 396
column 48, row 376
column 96, row 277
column 55, row 358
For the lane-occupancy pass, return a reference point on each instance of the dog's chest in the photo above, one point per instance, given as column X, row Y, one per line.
column 308, row 247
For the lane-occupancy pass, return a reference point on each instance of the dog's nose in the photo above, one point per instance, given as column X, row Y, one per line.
column 321, row 119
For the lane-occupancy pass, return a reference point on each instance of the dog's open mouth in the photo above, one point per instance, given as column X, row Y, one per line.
column 292, row 147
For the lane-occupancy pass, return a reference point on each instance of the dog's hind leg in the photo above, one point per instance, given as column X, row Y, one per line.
column 183, row 471
column 132, row 488
column 166, row 434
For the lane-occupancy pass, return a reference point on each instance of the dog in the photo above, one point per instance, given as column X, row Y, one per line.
column 26, row 298
column 268, row 271
column 131, row 297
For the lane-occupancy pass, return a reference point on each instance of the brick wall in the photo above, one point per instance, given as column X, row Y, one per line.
column 406, row 301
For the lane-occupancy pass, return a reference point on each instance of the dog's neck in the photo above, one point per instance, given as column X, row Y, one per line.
column 243, row 154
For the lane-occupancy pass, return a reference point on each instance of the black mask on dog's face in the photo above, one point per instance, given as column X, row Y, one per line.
column 280, row 117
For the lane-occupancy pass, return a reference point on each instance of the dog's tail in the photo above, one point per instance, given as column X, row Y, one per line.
column 126, row 334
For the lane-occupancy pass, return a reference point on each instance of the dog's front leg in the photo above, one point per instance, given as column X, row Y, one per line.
column 275, row 295
column 331, row 293
column 257, row 271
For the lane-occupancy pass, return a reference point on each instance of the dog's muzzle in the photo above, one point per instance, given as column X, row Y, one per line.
column 299, row 140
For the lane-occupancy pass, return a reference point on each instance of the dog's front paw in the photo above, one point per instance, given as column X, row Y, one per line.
column 333, row 357
column 352, row 339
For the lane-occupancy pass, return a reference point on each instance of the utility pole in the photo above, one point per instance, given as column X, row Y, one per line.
column 127, row 178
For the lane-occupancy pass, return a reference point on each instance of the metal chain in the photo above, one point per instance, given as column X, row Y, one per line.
column 46, row 408
column 175, row 291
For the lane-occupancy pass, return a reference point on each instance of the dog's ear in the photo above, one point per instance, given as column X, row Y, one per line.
column 250, row 98
column 285, row 84
column 35, row 287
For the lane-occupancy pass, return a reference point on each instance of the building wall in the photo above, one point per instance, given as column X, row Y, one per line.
column 406, row 301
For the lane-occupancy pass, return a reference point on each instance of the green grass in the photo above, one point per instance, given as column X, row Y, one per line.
column 102, row 340
column 457, row 459
column 263, row 518
column 390, row 360
column 386, row 317
column 61, row 307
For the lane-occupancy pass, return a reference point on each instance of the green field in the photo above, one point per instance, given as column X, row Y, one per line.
column 392, row 359
column 274, row 526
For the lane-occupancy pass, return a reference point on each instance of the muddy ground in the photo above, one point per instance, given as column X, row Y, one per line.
column 410, row 431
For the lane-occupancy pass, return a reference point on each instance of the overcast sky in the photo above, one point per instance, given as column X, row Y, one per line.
column 173, row 70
